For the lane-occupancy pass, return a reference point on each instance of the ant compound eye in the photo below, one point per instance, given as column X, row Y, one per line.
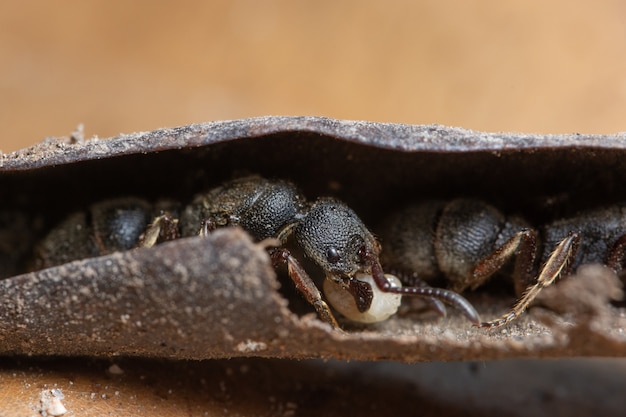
column 362, row 253
column 332, row 255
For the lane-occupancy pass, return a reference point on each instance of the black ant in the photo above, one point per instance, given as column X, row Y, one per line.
column 467, row 241
column 271, row 211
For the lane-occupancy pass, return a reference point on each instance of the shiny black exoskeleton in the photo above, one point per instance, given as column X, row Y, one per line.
column 109, row 226
column 466, row 241
column 327, row 231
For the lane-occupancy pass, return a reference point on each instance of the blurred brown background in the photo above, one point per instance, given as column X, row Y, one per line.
column 529, row 66
column 532, row 66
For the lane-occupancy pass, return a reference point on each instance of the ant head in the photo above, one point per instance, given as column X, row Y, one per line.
column 337, row 240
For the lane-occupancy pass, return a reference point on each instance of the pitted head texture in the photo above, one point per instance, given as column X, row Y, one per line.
column 333, row 235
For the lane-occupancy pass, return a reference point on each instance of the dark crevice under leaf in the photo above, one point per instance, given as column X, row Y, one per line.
column 218, row 297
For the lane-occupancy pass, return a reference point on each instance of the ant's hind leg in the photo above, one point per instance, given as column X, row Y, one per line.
column 617, row 256
column 557, row 264
column 522, row 245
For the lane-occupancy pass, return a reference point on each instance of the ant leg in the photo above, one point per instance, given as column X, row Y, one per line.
column 524, row 245
column 432, row 303
column 556, row 265
column 216, row 220
column 162, row 228
column 617, row 255
column 305, row 285
column 446, row 296
column 207, row 226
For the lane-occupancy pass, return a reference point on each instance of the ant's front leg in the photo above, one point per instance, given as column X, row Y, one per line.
column 305, row 285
